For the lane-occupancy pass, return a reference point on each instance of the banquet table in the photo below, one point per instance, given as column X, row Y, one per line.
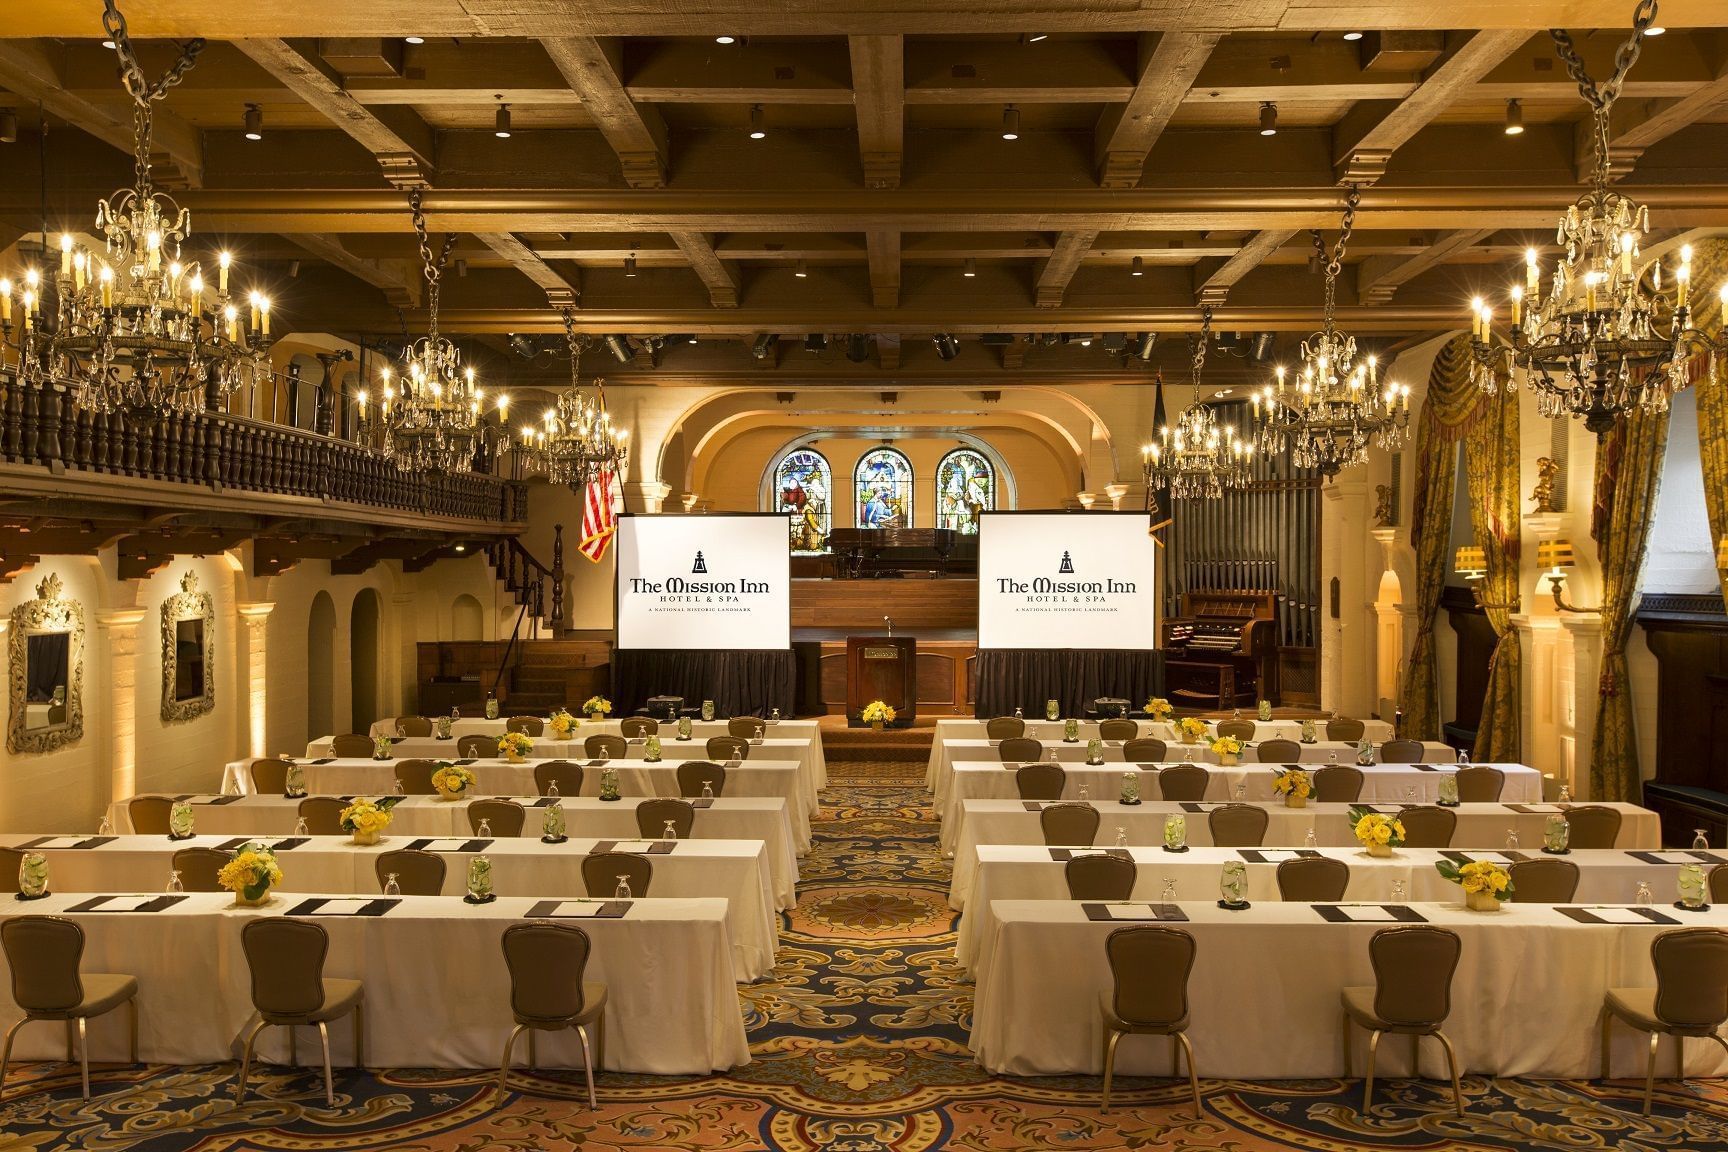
column 735, row 870
column 437, row 992
column 1029, row 872
column 805, row 730
column 1479, row 826
column 724, row 818
column 1525, row 998
column 499, row 777
column 1382, row 783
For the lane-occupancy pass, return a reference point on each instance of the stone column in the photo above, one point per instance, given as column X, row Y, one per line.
column 1115, row 493
column 646, row 495
column 256, row 616
column 1345, row 641
column 1578, row 673
column 120, row 716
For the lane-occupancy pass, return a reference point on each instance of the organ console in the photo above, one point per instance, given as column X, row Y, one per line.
column 1222, row 650
column 897, row 551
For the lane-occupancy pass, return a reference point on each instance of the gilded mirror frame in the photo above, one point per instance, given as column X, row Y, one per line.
column 187, row 604
column 48, row 613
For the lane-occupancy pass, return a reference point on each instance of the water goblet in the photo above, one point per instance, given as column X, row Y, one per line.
column 175, row 885
column 669, row 832
column 391, row 887
column 485, row 829
column 301, row 828
column 622, row 892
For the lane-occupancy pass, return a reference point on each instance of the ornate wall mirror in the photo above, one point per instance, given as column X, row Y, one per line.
column 188, row 663
column 47, row 678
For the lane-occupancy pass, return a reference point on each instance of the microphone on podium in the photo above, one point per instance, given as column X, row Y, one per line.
column 889, row 620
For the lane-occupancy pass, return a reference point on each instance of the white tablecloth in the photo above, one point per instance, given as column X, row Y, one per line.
column 806, row 730
column 1051, row 731
column 1382, row 783
column 781, row 778
column 1025, row 872
column 1479, row 826
column 437, row 990
column 735, row 870
column 1263, row 994
column 726, row 818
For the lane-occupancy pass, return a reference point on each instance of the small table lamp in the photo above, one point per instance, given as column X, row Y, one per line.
column 1471, row 562
column 1557, row 556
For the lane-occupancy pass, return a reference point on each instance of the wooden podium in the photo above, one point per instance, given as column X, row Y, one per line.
column 881, row 668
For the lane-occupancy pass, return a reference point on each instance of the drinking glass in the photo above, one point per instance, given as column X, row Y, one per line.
column 485, row 830
column 1643, row 896
column 175, row 886
column 1239, row 791
column 1018, row 715
column 707, row 790
column 1511, row 839
column 1410, row 794
column 552, row 789
column 391, row 888
column 1565, row 794
column 1052, row 757
column 300, row 828
column 1700, row 841
column 1169, row 896
column 669, row 832
column 1085, row 793
column 1463, row 756
column 104, row 828
column 622, row 892
column 1398, row 890
column 396, row 787
column 1121, row 837
column 774, row 716
column 1233, row 882
column 1332, row 756
column 1311, row 840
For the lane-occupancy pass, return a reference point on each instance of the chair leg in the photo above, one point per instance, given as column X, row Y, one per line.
column 246, row 1062
column 359, row 1037
column 293, row 1046
column 1679, row 1057
column 588, row 1066
column 1175, row 1057
column 1348, row 1061
column 132, row 1012
column 1650, row 1072
column 329, row 1084
column 1193, row 1073
column 1607, row 1019
column 84, row 1055
column 1452, row 1067
column 1109, row 1066
column 533, row 1048
column 71, row 1049
column 1368, row 1084
column 1415, row 1056
column 600, row 1042
column 504, row 1064
column 6, row 1052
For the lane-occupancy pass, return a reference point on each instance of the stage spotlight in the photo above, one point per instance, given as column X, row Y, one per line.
column 946, row 346
column 1265, row 343
column 763, row 345
column 1144, row 344
column 621, row 348
column 858, row 347
column 1514, row 118
column 254, row 122
column 816, row 342
column 1268, row 119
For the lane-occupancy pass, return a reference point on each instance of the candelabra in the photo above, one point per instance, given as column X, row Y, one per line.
column 1197, row 457
column 577, row 439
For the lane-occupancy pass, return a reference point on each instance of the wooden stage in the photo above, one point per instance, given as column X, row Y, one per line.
column 942, row 614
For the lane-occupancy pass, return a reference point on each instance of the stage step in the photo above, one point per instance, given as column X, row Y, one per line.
column 900, row 745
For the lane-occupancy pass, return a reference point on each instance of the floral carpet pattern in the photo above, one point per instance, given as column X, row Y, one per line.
column 858, row 1040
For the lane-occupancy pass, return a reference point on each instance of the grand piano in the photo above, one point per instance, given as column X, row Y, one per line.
column 861, row 552
column 1221, row 651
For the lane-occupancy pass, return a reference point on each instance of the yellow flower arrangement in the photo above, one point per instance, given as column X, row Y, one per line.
column 515, row 744
column 1376, row 829
column 562, row 724
column 367, row 817
column 1227, row 746
column 251, row 873
column 597, row 706
column 1191, row 728
column 454, row 778
column 1477, row 876
column 1159, row 708
column 876, row 711
column 1293, row 782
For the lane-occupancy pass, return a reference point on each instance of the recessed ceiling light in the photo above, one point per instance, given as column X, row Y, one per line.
column 1010, row 122
column 758, row 122
column 1352, row 36
column 414, row 39
column 1034, row 37
column 1655, row 30
column 1268, row 119
column 693, row 338
column 1514, row 118
column 725, row 39
column 800, row 271
column 1138, row 268
column 110, row 45
column 971, row 268
column 254, row 122
column 501, row 122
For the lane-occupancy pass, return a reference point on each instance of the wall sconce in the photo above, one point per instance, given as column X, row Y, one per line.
column 1558, row 556
column 1722, row 554
column 1471, row 562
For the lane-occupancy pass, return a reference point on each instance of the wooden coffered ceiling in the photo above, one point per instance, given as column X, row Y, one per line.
column 882, row 178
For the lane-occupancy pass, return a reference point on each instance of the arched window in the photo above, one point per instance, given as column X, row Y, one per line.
column 803, row 490
column 965, row 486
column 882, row 486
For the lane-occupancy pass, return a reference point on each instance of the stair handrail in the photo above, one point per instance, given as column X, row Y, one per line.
column 515, row 559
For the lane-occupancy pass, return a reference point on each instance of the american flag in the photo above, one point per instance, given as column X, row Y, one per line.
column 599, row 520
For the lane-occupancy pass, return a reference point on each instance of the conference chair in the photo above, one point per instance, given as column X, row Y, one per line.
column 290, row 990
column 1401, row 752
column 1278, row 752
column 1144, row 750
column 415, row 776
column 1690, row 998
column 469, row 747
column 566, row 775
column 1338, row 784
column 1428, row 826
column 692, row 774
column 323, row 814
column 1118, row 728
column 149, row 815
column 1241, row 729
column 1149, row 967
column 1480, row 784
column 1238, row 825
column 1543, row 881
column 413, row 726
column 1412, row 996
column 1099, row 876
column 652, row 815
column 1040, row 781
column 417, row 873
column 1019, row 750
column 728, row 748
column 747, row 727
column 547, row 962
column 1349, row 731
column 605, row 744
column 1183, row 782
column 505, row 817
column 1004, row 727
column 269, row 777
column 198, row 868
column 1718, row 881
column 11, row 864
column 601, row 871
column 1593, row 826
column 44, row 953
column 638, row 727
column 1313, row 879
column 1069, row 825
column 351, row 746
column 527, row 725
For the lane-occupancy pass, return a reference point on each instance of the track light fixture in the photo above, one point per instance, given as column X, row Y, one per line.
column 1143, row 345
column 1514, row 118
column 1268, row 118
column 971, row 268
column 1010, row 122
column 1035, row 37
column 799, row 270
column 758, row 122
column 816, row 342
column 501, row 120
column 8, row 126
column 254, row 122
column 1138, row 268
column 763, row 345
column 630, row 266
column 858, row 347
column 621, row 348
column 946, row 346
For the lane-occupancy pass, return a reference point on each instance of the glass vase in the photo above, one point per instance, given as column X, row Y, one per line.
column 1052, row 710
column 1176, row 833
column 1690, row 885
column 1130, row 787
column 1233, row 884
column 1556, row 835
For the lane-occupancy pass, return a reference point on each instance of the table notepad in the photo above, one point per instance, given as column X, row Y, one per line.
column 639, row 847
column 349, row 907
column 1601, row 915
column 1368, row 914
column 344, row 906
column 1675, row 857
column 126, row 903
column 451, row 844
column 1132, row 912
column 579, row 909
column 1275, row 855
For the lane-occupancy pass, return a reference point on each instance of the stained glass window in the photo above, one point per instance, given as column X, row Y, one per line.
column 803, row 488
column 883, row 487
column 965, row 486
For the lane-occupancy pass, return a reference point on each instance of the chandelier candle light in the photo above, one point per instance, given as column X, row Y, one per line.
column 577, row 439
column 1607, row 338
column 1197, row 457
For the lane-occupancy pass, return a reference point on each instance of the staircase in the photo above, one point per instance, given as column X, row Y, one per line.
column 548, row 674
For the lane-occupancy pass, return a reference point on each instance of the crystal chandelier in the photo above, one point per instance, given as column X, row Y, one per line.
column 1197, row 458
column 1335, row 407
column 577, row 439
column 135, row 328
column 1607, row 338
column 430, row 416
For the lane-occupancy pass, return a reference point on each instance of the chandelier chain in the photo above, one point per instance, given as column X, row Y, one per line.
column 142, row 91
column 1200, row 348
column 1601, row 95
column 433, row 268
column 1335, row 264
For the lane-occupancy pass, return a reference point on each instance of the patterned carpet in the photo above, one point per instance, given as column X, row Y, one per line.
column 859, row 1043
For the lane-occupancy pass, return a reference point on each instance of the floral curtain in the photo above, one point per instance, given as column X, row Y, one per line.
column 1710, row 268
column 1491, row 463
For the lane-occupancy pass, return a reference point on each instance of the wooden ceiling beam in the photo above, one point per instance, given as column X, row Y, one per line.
column 1378, row 278
column 560, row 292
column 879, row 93
column 1053, row 279
column 395, row 278
column 401, row 141
column 594, row 70
column 1215, row 286
column 1639, row 124
column 720, row 281
column 1126, row 133
column 884, row 253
